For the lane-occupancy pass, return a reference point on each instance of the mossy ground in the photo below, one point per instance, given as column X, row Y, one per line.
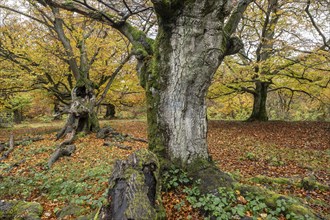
column 281, row 152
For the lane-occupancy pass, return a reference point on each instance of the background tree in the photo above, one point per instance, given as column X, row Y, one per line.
column 277, row 56
column 75, row 44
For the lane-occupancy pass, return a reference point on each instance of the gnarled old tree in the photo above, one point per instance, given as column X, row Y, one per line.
column 71, row 62
column 177, row 67
column 82, row 115
column 51, row 22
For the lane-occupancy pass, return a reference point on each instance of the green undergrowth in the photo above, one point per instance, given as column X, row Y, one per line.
column 71, row 181
column 237, row 202
column 86, row 188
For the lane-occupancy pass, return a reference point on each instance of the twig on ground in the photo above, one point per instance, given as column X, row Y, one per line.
column 9, row 169
column 120, row 146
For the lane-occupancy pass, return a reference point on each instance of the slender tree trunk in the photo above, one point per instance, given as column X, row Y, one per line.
column 264, row 52
column 18, row 116
column 110, row 111
column 259, row 112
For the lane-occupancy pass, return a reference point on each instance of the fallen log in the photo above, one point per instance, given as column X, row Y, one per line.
column 61, row 151
column 108, row 132
column 29, row 139
column 104, row 132
column 134, row 191
column 138, row 139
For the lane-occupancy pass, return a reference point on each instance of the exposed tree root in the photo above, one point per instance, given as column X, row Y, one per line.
column 11, row 148
column 62, row 151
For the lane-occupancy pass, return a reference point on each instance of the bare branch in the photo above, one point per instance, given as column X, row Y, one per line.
column 325, row 42
column 113, row 76
column 26, row 15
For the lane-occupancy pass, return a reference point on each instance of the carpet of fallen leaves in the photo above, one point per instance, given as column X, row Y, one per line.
column 273, row 149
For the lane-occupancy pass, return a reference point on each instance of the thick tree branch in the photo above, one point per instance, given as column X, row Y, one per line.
column 292, row 90
column 58, row 25
column 325, row 41
column 236, row 17
column 136, row 37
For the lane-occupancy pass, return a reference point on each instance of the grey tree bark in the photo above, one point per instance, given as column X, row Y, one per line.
column 192, row 42
column 259, row 110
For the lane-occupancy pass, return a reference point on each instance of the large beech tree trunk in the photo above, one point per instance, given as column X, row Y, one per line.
column 176, row 69
column 259, row 111
column 189, row 48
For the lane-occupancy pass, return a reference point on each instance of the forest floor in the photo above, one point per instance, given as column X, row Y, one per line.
column 254, row 153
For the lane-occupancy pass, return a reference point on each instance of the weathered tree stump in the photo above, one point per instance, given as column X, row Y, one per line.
column 134, row 191
column 82, row 115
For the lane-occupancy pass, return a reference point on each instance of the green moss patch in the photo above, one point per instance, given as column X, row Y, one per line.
column 20, row 210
